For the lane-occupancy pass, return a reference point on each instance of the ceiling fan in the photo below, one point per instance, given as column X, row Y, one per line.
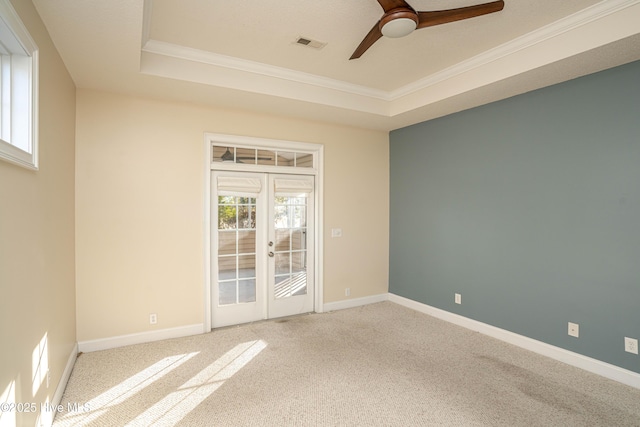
column 400, row 19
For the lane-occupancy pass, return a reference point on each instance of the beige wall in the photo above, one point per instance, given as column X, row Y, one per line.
column 139, row 211
column 37, row 289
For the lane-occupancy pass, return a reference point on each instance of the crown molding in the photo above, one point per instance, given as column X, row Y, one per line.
column 600, row 24
column 232, row 63
column 541, row 35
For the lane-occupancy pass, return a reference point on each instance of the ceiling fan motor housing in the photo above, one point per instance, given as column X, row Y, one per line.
column 398, row 22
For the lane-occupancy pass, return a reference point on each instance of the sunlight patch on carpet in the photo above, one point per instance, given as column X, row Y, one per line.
column 129, row 387
column 176, row 405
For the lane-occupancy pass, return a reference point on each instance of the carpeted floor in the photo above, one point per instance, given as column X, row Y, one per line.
column 376, row 365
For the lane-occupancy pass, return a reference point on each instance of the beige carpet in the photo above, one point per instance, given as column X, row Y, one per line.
column 377, row 365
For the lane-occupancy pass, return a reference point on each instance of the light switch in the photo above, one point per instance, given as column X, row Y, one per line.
column 336, row 232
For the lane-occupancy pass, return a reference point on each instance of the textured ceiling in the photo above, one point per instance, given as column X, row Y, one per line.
column 264, row 31
column 244, row 55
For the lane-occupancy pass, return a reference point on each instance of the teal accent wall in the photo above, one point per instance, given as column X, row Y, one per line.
column 530, row 209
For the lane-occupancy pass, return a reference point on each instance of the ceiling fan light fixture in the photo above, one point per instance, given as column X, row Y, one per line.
column 399, row 28
column 398, row 23
column 227, row 156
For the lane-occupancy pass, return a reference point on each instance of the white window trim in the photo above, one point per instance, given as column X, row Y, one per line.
column 234, row 141
column 8, row 151
column 244, row 141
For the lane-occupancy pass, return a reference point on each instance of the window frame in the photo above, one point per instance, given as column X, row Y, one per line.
column 21, row 115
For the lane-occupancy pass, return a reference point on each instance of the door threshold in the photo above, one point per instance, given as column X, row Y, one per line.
column 282, row 319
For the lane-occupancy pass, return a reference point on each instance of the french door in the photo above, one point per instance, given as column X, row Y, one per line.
column 262, row 246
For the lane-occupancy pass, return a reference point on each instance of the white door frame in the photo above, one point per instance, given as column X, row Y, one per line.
column 317, row 170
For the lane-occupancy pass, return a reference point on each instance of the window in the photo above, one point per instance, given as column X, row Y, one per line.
column 262, row 157
column 18, row 90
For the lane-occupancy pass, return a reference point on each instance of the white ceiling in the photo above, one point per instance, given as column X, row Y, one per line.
column 243, row 55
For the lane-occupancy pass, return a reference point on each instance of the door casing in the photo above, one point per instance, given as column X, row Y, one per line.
column 266, row 305
column 251, row 142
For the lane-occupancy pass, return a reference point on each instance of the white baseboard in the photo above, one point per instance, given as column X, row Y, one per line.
column 595, row 366
column 71, row 361
column 139, row 338
column 355, row 302
column 46, row 417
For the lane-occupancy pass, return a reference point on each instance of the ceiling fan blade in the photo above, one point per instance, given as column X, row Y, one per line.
column 227, row 156
column 253, row 158
column 429, row 19
column 388, row 5
column 368, row 41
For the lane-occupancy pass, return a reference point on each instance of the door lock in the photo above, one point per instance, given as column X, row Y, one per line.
column 271, row 254
column 270, row 243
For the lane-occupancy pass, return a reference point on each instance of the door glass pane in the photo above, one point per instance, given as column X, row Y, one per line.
column 246, row 242
column 281, row 288
column 299, row 284
column 299, row 216
column 236, row 249
column 247, row 290
column 291, row 245
column 244, row 217
column 290, row 285
column 298, row 262
column 227, row 292
column 281, row 216
column 283, row 240
column 282, row 263
column 298, row 239
column 226, row 200
column 226, row 267
column 226, row 242
column 227, row 211
column 247, row 266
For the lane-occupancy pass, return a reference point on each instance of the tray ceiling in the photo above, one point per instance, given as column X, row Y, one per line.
column 244, row 55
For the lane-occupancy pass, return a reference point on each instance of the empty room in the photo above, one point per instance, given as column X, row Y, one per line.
column 373, row 212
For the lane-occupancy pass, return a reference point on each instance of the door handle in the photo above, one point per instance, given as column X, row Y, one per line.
column 271, row 254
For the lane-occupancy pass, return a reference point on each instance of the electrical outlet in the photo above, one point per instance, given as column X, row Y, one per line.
column 153, row 318
column 574, row 330
column 336, row 232
column 631, row 345
column 347, row 292
column 458, row 299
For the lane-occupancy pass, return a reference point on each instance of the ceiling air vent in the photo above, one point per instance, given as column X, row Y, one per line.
column 305, row 41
